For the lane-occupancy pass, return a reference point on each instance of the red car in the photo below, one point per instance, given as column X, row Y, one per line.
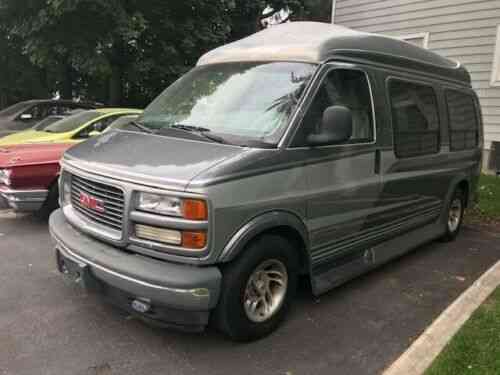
column 29, row 175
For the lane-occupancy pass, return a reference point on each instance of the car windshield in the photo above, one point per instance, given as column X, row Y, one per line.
column 122, row 122
column 46, row 122
column 238, row 101
column 13, row 109
column 72, row 122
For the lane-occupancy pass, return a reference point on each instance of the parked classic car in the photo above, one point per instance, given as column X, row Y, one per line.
column 24, row 115
column 28, row 176
column 73, row 128
column 29, row 173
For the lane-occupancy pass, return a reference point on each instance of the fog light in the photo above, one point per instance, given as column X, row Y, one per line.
column 163, row 235
column 141, row 306
column 194, row 240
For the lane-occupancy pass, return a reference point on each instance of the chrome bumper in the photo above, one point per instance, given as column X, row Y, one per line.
column 22, row 200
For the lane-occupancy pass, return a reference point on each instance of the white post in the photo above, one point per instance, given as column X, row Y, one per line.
column 333, row 10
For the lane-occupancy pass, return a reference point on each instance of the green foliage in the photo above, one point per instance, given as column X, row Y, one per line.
column 488, row 207
column 117, row 51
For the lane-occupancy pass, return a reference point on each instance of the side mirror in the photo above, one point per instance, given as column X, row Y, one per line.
column 26, row 117
column 336, row 127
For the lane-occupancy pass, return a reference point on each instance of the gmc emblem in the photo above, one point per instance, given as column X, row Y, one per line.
column 91, row 202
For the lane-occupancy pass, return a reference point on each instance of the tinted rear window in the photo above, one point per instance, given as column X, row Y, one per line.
column 415, row 118
column 464, row 127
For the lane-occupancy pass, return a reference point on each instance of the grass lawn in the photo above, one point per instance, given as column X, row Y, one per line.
column 488, row 208
column 475, row 349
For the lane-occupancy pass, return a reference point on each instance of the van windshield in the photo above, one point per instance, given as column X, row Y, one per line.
column 236, row 101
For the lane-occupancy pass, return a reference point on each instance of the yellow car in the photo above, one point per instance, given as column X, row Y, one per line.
column 75, row 128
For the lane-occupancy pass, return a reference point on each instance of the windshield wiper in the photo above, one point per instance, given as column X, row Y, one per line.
column 142, row 127
column 198, row 130
column 190, row 128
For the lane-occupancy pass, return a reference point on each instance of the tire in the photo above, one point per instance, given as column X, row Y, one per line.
column 50, row 205
column 268, row 255
column 454, row 216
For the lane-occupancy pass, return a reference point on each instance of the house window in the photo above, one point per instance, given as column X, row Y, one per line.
column 495, row 74
column 464, row 128
column 420, row 39
column 415, row 119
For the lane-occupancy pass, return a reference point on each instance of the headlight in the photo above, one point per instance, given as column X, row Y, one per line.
column 5, row 176
column 160, row 204
column 64, row 189
column 192, row 209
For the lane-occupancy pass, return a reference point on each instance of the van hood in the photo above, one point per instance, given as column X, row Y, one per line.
column 151, row 160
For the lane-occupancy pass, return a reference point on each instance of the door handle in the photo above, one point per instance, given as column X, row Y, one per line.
column 378, row 161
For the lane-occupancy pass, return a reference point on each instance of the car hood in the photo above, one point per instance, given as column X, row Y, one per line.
column 32, row 136
column 30, row 154
column 152, row 160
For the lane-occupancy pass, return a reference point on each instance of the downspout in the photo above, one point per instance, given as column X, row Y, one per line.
column 334, row 3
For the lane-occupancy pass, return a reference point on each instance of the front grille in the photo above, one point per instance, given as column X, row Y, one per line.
column 112, row 198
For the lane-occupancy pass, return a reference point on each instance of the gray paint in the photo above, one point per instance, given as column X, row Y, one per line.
column 168, row 284
column 353, row 206
column 171, row 162
column 319, row 42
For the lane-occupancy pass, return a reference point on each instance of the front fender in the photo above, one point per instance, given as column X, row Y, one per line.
column 260, row 224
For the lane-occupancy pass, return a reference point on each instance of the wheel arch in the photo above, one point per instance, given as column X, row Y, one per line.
column 463, row 182
column 464, row 185
column 283, row 223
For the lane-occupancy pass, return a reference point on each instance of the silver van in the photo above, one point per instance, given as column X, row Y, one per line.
column 305, row 149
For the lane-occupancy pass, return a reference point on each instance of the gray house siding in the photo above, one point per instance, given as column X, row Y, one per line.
column 463, row 30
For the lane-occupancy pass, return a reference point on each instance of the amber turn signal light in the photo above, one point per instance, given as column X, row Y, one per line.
column 194, row 240
column 195, row 209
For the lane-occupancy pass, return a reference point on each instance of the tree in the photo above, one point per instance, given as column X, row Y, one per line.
column 119, row 51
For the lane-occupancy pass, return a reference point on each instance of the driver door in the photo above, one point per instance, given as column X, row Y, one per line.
column 344, row 179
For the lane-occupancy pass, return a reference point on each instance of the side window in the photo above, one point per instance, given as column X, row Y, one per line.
column 415, row 119
column 38, row 112
column 349, row 88
column 464, row 128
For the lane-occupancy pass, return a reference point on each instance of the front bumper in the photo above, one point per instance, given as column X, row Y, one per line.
column 22, row 200
column 178, row 295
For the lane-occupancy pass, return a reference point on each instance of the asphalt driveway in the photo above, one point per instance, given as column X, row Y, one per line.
column 47, row 327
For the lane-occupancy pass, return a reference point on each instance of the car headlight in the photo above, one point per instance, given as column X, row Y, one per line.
column 64, row 189
column 5, row 175
column 192, row 209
